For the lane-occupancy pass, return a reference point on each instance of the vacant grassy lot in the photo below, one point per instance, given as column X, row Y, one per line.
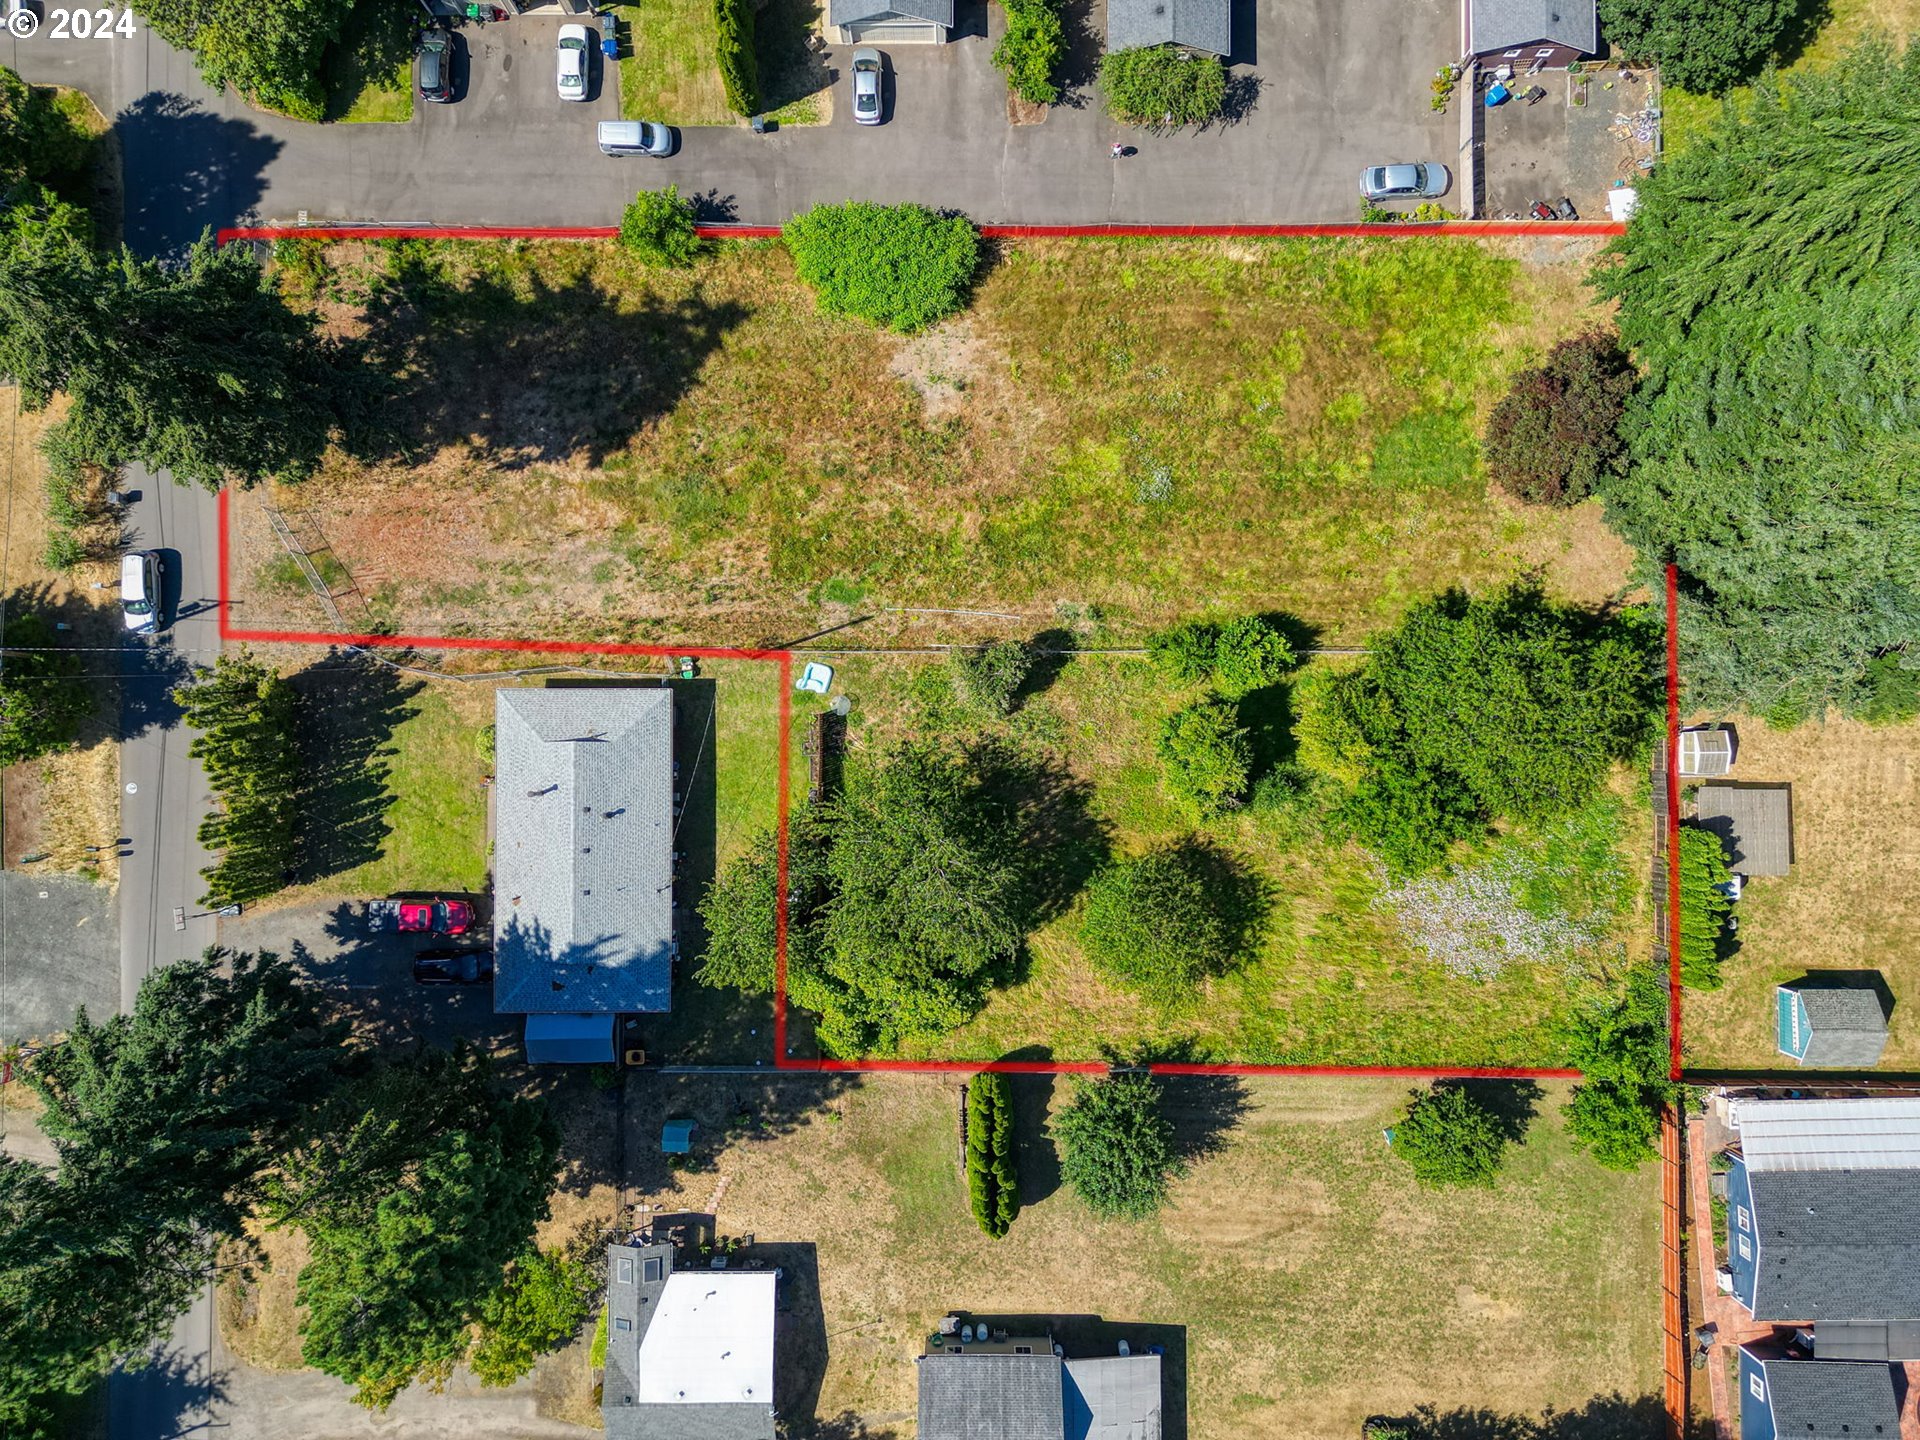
column 669, row 71
column 1852, row 901
column 368, row 72
column 1127, row 429
column 1299, row 1279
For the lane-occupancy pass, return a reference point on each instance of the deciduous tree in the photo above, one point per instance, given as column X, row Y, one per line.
column 1620, row 1046
column 1206, row 756
column 1556, row 432
column 1166, row 920
column 43, row 697
column 1706, row 46
column 540, row 1306
column 1450, row 1137
column 1116, row 1148
column 898, row 266
column 271, row 54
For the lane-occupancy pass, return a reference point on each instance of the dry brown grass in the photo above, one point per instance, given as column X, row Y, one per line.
column 1852, row 901
column 1316, row 1283
column 259, row 1314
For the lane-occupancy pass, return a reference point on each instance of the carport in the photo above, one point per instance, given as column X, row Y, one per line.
column 570, row 1039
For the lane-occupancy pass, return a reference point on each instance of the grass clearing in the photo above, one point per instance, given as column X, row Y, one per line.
column 1855, row 884
column 1305, row 1281
column 1142, row 429
column 669, row 71
column 368, row 72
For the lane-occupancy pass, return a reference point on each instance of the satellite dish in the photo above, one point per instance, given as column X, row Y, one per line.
column 841, row 705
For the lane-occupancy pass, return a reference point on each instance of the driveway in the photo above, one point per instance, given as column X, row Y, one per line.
column 1338, row 84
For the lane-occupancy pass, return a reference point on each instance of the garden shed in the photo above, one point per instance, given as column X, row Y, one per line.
column 1707, row 751
column 1755, row 822
column 1821, row 1023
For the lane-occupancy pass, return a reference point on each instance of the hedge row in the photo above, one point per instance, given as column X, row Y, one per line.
column 1030, row 52
column 992, row 1184
column 739, row 74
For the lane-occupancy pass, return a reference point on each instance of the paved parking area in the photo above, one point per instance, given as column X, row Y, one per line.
column 59, row 950
column 1554, row 147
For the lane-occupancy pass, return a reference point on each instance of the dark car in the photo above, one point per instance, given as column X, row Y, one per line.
column 433, row 66
column 453, row 967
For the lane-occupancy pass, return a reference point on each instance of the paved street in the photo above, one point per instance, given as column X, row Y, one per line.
column 1340, row 84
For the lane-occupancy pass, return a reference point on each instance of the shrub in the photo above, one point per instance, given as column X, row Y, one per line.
column 1186, row 651
column 1166, row 920
column 739, row 72
column 1704, row 906
column 1892, row 691
column 1248, row 655
column 1030, row 52
column 1159, row 86
column 44, row 695
column 901, row 266
column 1450, row 1137
column 63, row 550
column 657, row 228
column 989, row 678
column 1116, row 1148
column 993, row 1187
column 1621, row 1048
column 597, row 1347
column 485, row 743
column 1207, row 757
column 540, row 1306
column 1706, row 46
column 1556, row 432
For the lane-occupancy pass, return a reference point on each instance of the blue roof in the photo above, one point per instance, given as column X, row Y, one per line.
column 569, row 1039
column 676, row 1137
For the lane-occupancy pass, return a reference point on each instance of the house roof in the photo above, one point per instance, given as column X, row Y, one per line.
column 1196, row 24
column 854, row 12
column 1868, row 1340
column 1830, row 1400
column 1827, row 1134
column 1836, row 1244
column 991, row 1397
column 1509, row 24
column 1754, row 821
column 689, row 1354
column 1849, row 1027
column 1113, row 1398
column 583, row 849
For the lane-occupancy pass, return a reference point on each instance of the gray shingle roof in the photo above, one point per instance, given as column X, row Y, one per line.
column 1849, row 1027
column 853, row 12
column 990, row 1397
column 1505, row 24
column 1196, row 24
column 583, row 849
column 1754, row 821
column 1113, row 1398
column 1831, row 1400
column 1836, row 1244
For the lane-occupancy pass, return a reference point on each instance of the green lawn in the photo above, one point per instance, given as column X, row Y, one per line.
column 369, row 72
column 669, row 73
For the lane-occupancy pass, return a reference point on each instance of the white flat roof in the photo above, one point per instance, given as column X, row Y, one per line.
column 711, row 1341
column 1828, row 1134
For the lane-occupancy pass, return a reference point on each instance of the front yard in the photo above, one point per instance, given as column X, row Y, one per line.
column 1299, row 1278
column 670, row 71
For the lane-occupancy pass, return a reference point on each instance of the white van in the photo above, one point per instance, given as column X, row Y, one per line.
column 141, row 578
column 635, row 137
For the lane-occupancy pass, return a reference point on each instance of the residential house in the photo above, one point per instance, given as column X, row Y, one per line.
column 1823, row 1218
column 582, row 862
column 1531, row 34
column 1001, row 1386
column 689, row 1352
column 1204, row 25
column 889, row 22
column 1781, row 1396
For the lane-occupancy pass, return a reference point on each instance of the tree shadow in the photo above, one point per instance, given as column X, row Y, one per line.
column 1058, row 840
column 350, row 707
column 1800, row 31
column 1241, row 99
column 166, row 1392
column 1050, row 652
column 148, row 667
column 1511, row 1103
column 1037, row 1157
column 844, row 1426
column 188, row 170
column 1204, row 1110
column 793, row 62
column 710, row 207
column 739, row 1108
column 1605, row 1417
column 1080, row 66
column 375, row 41
column 528, row 374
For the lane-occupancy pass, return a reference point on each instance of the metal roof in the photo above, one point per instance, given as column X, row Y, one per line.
column 1196, row 24
column 1836, row 1244
column 991, row 1397
column 1113, row 1398
column 1827, row 1134
column 1830, row 1400
column 1754, row 821
column 1869, row 1340
column 583, row 849
column 1507, row 24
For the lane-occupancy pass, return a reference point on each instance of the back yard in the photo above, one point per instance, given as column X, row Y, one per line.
column 1850, row 902
column 1299, row 1279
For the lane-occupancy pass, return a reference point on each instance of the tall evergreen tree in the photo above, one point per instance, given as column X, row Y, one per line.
column 246, row 714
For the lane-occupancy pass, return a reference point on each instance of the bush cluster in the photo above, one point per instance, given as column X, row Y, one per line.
column 989, row 678
column 1166, row 920
column 1450, row 1137
column 739, row 71
column 1206, row 756
column 1556, row 432
column 993, row 1186
column 1030, row 52
column 1236, row 657
column 1704, row 907
column 1161, row 87
column 657, row 228
column 899, row 266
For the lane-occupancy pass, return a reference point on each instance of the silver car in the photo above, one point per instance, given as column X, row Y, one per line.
column 570, row 69
column 1405, row 182
column 868, row 66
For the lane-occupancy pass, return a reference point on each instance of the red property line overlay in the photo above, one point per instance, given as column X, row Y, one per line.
column 1346, row 230
column 1673, row 822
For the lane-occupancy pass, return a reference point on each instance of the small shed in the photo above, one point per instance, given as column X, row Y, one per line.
column 1754, row 821
column 1706, row 751
column 676, row 1137
column 1825, row 1024
column 1532, row 34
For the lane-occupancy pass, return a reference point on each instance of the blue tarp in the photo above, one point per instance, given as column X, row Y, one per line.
column 570, row 1040
column 676, row 1137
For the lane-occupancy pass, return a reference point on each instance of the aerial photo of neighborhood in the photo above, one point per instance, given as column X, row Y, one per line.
column 960, row 720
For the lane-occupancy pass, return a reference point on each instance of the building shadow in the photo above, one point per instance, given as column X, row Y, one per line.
column 799, row 1332
column 189, row 171
column 1243, row 18
column 1085, row 24
column 350, row 707
column 1605, row 1417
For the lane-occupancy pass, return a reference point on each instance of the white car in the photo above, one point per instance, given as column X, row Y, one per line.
column 142, row 576
column 868, row 66
column 571, row 72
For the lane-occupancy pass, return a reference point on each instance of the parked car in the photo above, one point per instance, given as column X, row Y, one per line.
column 572, row 62
column 868, row 67
column 142, row 576
column 453, row 967
column 420, row 917
column 1405, row 182
column 433, row 66
column 635, row 137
